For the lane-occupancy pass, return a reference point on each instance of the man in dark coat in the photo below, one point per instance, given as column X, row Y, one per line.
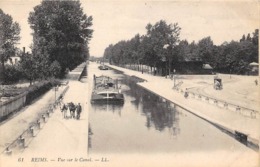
column 79, row 109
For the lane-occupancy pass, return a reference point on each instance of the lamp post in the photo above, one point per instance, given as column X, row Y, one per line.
column 55, row 90
column 174, row 78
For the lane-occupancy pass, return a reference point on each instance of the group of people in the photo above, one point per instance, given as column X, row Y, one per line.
column 70, row 110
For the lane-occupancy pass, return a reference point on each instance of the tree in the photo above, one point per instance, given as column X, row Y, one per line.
column 9, row 36
column 164, row 36
column 61, row 32
column 12, row 74
column 255, row 37
column 55, row 69
column 183, row 50
column 205, row 47
column 243, row 38
column 147, row 53
column 248, row 38
column 28, row 68
column 108, row 53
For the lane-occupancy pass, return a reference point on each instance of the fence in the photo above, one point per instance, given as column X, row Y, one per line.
column 12, row 105
column 223, row 104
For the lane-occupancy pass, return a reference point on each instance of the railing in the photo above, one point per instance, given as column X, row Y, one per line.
column 12, row 105
column 24, row 139
column 222, row 103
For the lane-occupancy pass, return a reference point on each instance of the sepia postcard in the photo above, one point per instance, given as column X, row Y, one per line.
column 129, row 83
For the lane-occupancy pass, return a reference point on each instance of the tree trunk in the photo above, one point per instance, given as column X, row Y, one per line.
column 170, row 67
column 2, row 72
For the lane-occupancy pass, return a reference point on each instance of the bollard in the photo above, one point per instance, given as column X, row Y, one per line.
column 8, row 151
column 51, row 109
column 31, row 130
column 226, row 105
column 43, row 118
column 253, row 114
column 21, row 141
column 207, row 99
column 48, row 114
column 238, row 110
column 38, row 123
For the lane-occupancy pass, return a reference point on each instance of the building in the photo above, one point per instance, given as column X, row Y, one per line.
column 13, row 60
column 253, row 68
column 193, row 66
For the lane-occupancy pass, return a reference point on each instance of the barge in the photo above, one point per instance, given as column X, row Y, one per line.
column 106, row 90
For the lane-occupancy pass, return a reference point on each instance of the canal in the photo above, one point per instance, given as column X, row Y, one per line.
column 147, row 123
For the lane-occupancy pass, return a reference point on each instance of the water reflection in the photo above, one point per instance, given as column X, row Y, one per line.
column 159, row 112
column 90, row 133
column 114, row 107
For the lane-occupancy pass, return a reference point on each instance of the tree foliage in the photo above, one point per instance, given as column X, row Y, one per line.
column 55, row 69
column 28, row 68
column 148, row 49
column 12, row 74
column 9, row 36
column 161, row 44
column 61, row 32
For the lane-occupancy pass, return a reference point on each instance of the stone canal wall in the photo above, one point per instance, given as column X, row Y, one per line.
column 77, row 72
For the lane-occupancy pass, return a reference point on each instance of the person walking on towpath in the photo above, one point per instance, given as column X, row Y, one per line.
column 186, row 94
column 63, row 110
column 79, row 109
column 68, row 115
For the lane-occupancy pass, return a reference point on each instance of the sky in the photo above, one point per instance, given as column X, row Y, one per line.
column 115, row 20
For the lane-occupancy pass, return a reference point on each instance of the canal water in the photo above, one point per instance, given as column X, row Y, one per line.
column 146, row 123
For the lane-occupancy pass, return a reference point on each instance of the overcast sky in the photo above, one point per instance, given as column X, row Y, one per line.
column 222, row 20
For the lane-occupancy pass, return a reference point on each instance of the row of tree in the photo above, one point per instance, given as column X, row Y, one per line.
column 161, row 47
column 61, row 34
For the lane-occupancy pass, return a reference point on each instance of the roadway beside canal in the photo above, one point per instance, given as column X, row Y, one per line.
column 230, row 121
